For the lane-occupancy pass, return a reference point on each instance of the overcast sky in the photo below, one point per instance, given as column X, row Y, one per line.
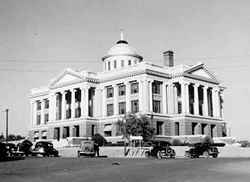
column 40, row 38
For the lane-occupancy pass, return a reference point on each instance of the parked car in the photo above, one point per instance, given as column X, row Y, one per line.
column 45, row 149
column 160, row 150
column 203, row 149
column 86, row 149
column 8, row 151
column 25, row 147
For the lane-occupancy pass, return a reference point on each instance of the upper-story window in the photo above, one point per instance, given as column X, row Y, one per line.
column 115, row 64
column 46, row 104
column 156, row 106
column 134, row 88
column 46, row 118
column 108, row 65
column 38, row 119
column 129, row 62
column 122, row 90
column 122, row 63
column 110, row 109
column 110, row 92
column 156, row 87
column 38, row 105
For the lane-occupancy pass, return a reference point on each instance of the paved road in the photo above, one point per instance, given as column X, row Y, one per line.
column 137, row 170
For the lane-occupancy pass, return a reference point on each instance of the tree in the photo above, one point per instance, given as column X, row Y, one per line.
column 136, row 125
column 99, row 139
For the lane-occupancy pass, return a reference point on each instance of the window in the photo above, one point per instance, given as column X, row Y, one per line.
column 179, row 108
column 122, row 90
column 134, row 88
column 115, row 64
column 107, row 130
column 177, row 128
column 110, row 109
column 38, row 119
column 107, row 133
column 129, row 62
column 46, row 118
column 110, row 92
column 46, row 104
column 122, row 63
column 65, row 132
column 134, row 106
column 156, row 87
column 38, row 105
column 122, row 107
column 156, row 106
column 108, row 65
column 159, row 128
column 76, row 131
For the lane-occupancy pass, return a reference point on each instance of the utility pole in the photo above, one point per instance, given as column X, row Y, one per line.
column 7, row 123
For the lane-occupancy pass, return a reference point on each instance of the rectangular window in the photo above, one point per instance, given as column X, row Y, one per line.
column 122, row 63
column 129, row 62
column 177, row 128
column 115, row 64
column 107, row 133
column 134, row 88
column 110, row 109
column 179, row 108
column 65, row 132
column 159, row 128
column 108, row 65
column 110, row 92
column 156, row 88
column 156, row 106
column 38, row 105
column 46, row 118
column 122, row 107
column 38, row 119
column 46, row 104
column 134, row 106
column 122, row 90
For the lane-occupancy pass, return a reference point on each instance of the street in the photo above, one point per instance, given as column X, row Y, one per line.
column 74, row 170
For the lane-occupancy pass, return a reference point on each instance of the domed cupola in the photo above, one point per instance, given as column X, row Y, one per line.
column 121, row 55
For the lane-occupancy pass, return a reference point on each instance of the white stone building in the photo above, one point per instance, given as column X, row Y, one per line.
column 180, row 100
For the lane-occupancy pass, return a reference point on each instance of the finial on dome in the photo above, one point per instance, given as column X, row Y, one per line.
column 122, row 41
column 121, row 34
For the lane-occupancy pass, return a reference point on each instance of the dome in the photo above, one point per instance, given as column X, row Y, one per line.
column 121, row 48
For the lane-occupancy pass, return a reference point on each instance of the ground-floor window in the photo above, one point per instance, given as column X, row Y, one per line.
column 193, row 128
column 134, row 106
column 65, row 132
column 159, row 128
column 122, row 107
column 177, row 128
column 110, row 109
column 57, row 133
column 38, row 119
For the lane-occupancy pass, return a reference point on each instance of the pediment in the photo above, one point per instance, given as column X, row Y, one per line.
column 67, row 77
column 201, row 72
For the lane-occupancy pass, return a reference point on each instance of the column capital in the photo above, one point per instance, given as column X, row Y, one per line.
column 196, row 85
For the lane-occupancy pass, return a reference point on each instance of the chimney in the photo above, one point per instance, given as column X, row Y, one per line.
column 168, row 57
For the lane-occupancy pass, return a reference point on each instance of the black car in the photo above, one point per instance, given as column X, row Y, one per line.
column 45, row 149
column 160, row 150
column 203, row 149
column 25, row 147
column 8, row 151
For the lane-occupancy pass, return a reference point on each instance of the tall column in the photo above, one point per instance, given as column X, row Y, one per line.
column 104, row 105
column 141, row 99
column 215, row 102
column 164, row 98
column 128, row 108
column 170, row 98
column 42, row 111
column 175, row 99
column 84, row 101
column 150, row 97
column 97, row 104
column 196, row 99
column 116, row 109
column 73, row 103
column 221, row 103
column 64, row 105
column 184, row 98
column 205, row 103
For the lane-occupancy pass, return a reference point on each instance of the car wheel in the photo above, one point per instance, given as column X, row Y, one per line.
column 215, row 156
column 206, row 154
column 147, row 154
column 159, row 155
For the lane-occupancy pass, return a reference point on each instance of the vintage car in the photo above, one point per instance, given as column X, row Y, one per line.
column 86, row 149
column 160, row 150
column 45, row 149
column 8, row 151
column 203, row 149
column 25, row 147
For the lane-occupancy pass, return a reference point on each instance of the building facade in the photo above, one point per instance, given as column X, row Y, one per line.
column 180, row 100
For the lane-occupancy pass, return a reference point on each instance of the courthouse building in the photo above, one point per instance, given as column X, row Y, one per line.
column 179, row 99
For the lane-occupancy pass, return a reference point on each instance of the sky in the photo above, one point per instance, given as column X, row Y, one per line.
column 41, row 38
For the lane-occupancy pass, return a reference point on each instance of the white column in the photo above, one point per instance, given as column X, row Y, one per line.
column 128, row 104
column 116, row 110
column 184, row 98
column 82, row 101
column 170, row 98
column 97, row 104
column 164, row 98
column 42, row 111
column 196, row 99
column 215, row 102
column 86, row 101
column 205, row 103
column 175, row 99
column 104, row 105
column 141, row 101
column 63, row 105
column 73, row 103
column 150, row 97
